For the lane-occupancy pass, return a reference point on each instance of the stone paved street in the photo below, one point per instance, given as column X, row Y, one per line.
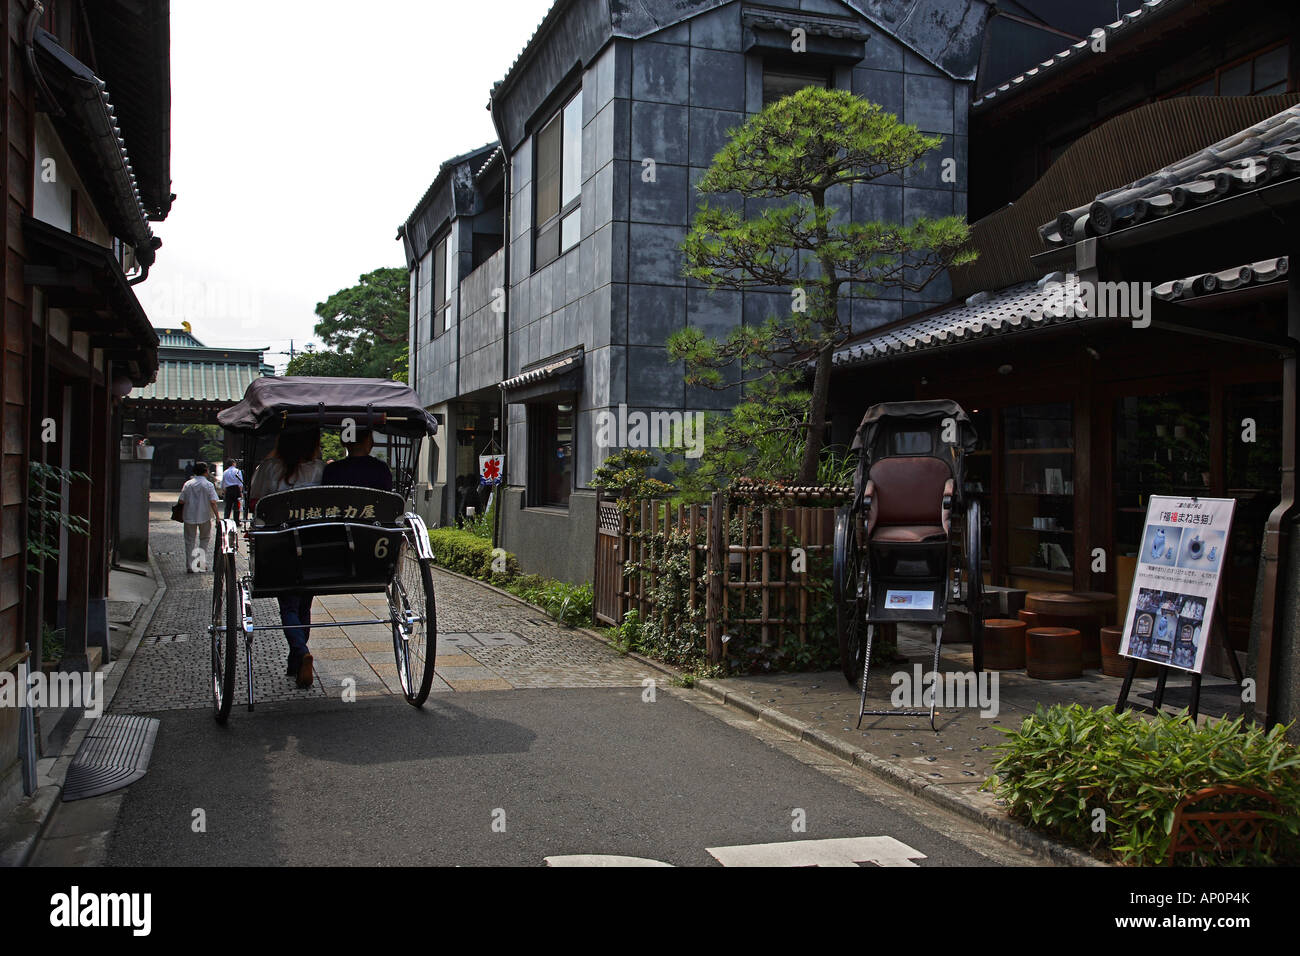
column 486, row 641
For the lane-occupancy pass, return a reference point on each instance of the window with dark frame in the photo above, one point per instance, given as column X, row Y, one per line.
column 550, row 454
column 440, row 316
column 780, row 79
column 1263, row 73
column 557, row 184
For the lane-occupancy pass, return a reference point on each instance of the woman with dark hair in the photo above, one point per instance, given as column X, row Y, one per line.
column 295, row 463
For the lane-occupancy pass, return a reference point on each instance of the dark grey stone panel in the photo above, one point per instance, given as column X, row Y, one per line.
column 542, row 287
column 655, row 253
column 654, row 312
column 961, row 97
column 882, row 87
column 926, row 202
column 709, row 129
column 661, row 201
column 873, row 313
column 659, row 73
column 659, row 131
column 717, row 80
column 915, row 64
column 715, row 313
column 559, row 272
column 883, row 53
column 730, row 200
column 652, row 380
column 929, row 171
column 928, row 103
column 718, row 29
column 873, row 202
column 610, row 247
column 761, row 306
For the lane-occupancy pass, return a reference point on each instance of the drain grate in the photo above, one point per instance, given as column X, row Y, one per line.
column 114, row 754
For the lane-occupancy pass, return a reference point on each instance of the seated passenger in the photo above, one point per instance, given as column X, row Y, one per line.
column 295, row 463
column 360, row 467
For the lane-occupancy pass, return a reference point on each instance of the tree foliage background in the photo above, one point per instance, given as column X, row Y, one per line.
column 802, row 153
column 364, row 329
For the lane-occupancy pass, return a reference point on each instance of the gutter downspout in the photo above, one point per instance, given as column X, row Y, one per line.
column 29, row 48
column 506, row 165
column 1274, row 533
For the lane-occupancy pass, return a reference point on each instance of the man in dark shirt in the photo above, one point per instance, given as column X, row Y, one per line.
column 359, row 468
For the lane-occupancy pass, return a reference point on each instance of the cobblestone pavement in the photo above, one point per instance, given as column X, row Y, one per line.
column 485, row 642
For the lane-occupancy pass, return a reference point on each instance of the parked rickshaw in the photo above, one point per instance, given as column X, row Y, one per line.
column 908, row 545
column 328, row 539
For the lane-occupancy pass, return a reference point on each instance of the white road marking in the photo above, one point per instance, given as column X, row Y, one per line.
column 850, row 851
column 596, row 859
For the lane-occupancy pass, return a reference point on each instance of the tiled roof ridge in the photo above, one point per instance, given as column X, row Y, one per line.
column 1079, row 52
column 558, row 8
column 444, row 169
column 1225, row 280
column 1264, row 153
column 1024, row 305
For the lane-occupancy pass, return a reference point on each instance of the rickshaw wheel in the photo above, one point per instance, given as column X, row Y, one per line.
column 411, row 590
column 848, row 582
column 975, row 581
column 226, row 612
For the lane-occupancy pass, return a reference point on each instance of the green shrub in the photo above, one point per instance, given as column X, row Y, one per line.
column 469, row 554
column 1065, row 763
column 569, row 604
column 480, row 526
column 627, row 636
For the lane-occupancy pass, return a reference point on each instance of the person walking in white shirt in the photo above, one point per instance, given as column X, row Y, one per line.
column 199, row 500
column 232, row 488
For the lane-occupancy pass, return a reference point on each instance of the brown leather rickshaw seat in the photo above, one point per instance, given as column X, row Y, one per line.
column 907, row 500
column 908, row 533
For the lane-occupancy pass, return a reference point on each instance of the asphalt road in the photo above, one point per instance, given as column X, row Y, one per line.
column 566, row 771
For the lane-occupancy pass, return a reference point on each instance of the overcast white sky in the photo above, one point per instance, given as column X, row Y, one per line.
column 303, row 133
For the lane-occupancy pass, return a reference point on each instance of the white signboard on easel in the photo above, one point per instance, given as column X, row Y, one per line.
column 1184, row 546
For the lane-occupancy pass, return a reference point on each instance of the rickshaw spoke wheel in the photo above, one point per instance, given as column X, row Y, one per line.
column 850, row 597
column 227, row 614
column 411, row 607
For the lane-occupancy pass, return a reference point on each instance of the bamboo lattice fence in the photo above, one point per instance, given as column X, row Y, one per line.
column 742, row 554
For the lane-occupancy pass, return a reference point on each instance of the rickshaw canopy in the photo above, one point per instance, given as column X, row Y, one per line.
column 891, row 419
column 272, row 403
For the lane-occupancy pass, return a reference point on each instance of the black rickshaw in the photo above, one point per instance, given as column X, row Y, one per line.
column 908, row 545
column 328, row 539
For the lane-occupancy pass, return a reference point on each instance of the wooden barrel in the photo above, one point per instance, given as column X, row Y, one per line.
column 1086, row 611
column 1004, row 644
column 1112, row 664
column 1053, row 653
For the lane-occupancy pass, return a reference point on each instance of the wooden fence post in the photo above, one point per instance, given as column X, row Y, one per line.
column 717, row 569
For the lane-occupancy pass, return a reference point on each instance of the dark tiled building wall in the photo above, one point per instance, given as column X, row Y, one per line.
column 671, row 98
